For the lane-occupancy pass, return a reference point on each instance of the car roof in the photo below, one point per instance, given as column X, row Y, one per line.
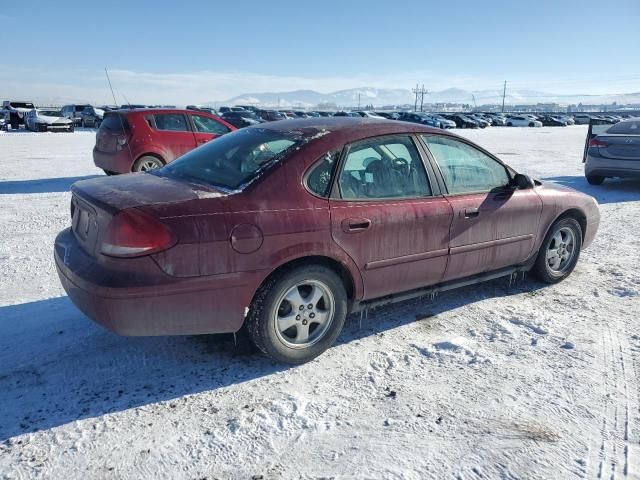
column 134, row 111
column 350, row 127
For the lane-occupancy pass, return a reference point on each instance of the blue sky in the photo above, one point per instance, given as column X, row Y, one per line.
column 205, row 50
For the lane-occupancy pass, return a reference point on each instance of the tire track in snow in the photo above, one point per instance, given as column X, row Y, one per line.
column 611, row 459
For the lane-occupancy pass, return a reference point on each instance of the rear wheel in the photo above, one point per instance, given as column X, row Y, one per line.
column 531, row 124
column 298, row 314
column 509, row 124
column 559, row 252
column 146, row 163
column 595, row 179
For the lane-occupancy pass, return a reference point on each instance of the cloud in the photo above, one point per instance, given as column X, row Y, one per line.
column 83, row 85
column 194, row 87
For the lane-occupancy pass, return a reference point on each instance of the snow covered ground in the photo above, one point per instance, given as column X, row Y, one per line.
column 491, row 381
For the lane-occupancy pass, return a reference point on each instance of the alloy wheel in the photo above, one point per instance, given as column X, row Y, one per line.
column 561, row 250
column 304, row 314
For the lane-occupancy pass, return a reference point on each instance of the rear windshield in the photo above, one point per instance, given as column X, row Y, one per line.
column 114, row 122
column 234, row 159
column 626, row 128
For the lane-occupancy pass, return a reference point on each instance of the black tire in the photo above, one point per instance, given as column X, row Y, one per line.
column 509, row 124
column 261, row 320
column 139, row 166
column 595, row 179
column 541, row 269
column 531, row 124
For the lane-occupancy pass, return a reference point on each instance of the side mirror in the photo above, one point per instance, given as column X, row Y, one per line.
column 522, row 181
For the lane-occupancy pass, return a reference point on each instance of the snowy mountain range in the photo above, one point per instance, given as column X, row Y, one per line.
column 398, row 96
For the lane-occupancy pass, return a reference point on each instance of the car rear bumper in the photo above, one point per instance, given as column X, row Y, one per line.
column 597, row 165
column 156, row 304
column 119, row 162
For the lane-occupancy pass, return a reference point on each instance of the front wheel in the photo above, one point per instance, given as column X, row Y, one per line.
column 559, row 252
column 298, row 314
column 595, row 179
column 509, row 124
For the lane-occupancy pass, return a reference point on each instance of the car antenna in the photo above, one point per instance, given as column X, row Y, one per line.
column 115, row 102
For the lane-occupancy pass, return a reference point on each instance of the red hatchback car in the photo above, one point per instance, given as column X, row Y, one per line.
column 285, row 227
column 138, row 140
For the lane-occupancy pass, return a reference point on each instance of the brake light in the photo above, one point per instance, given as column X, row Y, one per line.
column 595, row 142
column 121, row 142
column 132, row 233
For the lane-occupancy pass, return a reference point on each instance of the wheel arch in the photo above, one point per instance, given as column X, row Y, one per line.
column 352, row 288
column 574, row 213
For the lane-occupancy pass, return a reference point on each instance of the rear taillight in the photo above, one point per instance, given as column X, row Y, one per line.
column 121, row 142
column 596, row 142
column 132, row 233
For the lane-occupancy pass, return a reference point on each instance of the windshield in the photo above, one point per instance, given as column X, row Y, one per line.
column 50, row 113
column 234, row 159
column 22, row 105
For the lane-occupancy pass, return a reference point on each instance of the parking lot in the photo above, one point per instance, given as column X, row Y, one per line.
column 498, row 380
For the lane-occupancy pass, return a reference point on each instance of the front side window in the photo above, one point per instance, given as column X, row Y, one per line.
column 174, row 122
column 208, row 125
column 464, row 168
column 387, row 167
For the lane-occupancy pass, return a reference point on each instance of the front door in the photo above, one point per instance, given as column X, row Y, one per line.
column 494, row 224
column 388, row 218
column 206, row 128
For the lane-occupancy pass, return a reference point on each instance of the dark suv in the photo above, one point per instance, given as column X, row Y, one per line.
column 143, row 139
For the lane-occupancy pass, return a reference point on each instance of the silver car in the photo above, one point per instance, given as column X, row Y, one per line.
column 612, row 150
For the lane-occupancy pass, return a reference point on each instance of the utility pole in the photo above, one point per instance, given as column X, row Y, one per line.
column 358, row 100
column 504, row 92
column 419, row 92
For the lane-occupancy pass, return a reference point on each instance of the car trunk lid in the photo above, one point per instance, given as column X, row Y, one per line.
column 113, row 134
column 95, row 201
column 622, row 147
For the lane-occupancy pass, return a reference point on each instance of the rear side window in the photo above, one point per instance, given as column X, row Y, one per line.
column 114, row 122
column 464, row 168
column 625, row 128
column 319, row 179
column 173, row 122
column 208, row 125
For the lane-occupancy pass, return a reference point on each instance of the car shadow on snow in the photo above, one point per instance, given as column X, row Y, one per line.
column 41, row 185
column 613, row 190
column 56, row 366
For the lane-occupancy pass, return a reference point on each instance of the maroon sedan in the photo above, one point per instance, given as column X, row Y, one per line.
column 286, row 227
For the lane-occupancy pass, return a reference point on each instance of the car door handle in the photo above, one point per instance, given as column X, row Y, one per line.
column 355, row 225
column 471, row 212
column 205, row 140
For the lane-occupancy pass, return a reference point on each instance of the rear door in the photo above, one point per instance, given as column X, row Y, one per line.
column 389, row 216
column 494, row 225
column 173, row 134
column 206, row 128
